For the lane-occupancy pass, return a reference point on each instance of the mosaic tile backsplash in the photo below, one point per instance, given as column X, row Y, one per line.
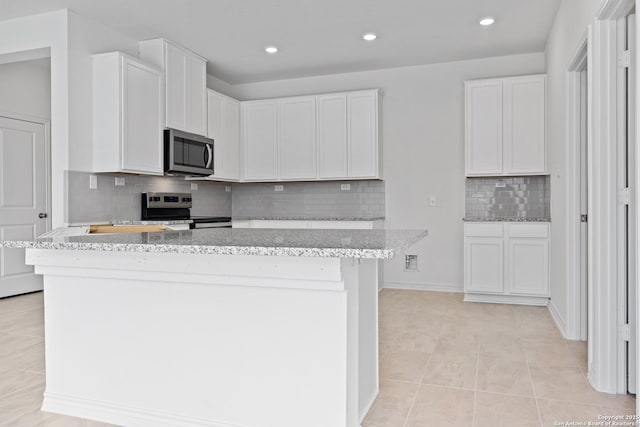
column 109, row 203
column 508, row 197
column 309, row 200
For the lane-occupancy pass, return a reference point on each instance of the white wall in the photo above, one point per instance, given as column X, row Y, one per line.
column 569, row 29
column 25, row 88
column 423, row 140
column 87, row 37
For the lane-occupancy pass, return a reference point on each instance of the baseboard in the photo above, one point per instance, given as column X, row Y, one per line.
column 557, row 318
column 506, row 299
column 369, row 404
column 437, row 287
column 115, row 414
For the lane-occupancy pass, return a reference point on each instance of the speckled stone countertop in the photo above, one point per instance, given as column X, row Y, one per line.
column 504, row 219
column 369, row 244
column 271, row 218
column 139, row 222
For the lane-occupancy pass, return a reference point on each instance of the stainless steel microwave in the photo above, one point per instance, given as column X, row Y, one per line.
column 187, row 153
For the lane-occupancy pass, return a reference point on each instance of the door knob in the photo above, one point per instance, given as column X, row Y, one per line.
column 42, row 215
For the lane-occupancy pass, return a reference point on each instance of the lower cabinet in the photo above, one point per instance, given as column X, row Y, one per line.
column 507, row 263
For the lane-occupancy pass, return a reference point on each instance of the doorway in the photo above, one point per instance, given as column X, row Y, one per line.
column 25, row 103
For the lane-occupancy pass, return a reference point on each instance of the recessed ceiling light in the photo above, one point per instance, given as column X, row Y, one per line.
column 369, row 37
column 271, row 49
column 485, row 22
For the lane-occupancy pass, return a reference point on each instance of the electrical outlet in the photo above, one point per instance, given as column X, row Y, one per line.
column 433, row 201
column 119, row 182
column 93, row 182
column 194, row 186
column 227, row 189
column 501, row 184
column 345, row 187
column 278, row 187
column 411, row 262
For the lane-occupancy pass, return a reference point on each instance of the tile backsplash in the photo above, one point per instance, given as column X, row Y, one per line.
column 508, row 197
column 108, row 202
column 310, row 200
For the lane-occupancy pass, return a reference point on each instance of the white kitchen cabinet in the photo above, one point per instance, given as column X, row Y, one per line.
column 363, row 134
column 127, row 115
column 505, row 126
column 260, row 140
column 185, row 84
column 318, row 224
column 524, row 125
column 297, row 138
column 484, row 261
column 333, row 150
column 223, row 126
column 507, row 262
column 319, row 137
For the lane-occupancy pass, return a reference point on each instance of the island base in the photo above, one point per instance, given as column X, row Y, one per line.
column 154, row 339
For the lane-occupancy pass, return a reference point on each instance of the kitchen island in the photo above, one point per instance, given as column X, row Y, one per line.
column 214, row 327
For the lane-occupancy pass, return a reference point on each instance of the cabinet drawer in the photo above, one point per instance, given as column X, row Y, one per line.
column 484, row 229
column 528, row 230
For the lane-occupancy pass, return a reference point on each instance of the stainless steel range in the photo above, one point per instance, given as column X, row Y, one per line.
column 176, row 206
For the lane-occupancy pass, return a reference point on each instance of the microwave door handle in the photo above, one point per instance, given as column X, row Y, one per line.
column 208, row 156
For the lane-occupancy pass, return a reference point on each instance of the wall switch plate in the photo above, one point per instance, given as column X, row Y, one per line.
column 278, row 187
column 119, row 182
column 433, row 201
column 194, row 186
column 227, row 189
column 93, row 182
column 345, row 187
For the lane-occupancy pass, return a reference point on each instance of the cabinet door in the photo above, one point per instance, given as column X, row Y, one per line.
column 175, row 75
column 484, row 265
column 297, row 138
column 196, row 95
column 141, row 118
column 260, row 140
column 528, row 267
column 332, row 136
column 363, row 135
column 215, row 106
column 524, row 125
column 483, row 127
column 231, row 139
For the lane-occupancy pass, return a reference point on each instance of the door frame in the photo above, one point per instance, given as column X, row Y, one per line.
column 47, row 152
column 574, row 323
column 606, row 290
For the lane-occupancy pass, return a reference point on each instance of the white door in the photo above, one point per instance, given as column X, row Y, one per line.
column 297, row 138
column 23, row 199
column 483, row 130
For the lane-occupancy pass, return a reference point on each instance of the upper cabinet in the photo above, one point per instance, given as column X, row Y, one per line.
column 224, row 129
column 185, row 84
column 321, row 137
column 127, row 115
column 505, row 129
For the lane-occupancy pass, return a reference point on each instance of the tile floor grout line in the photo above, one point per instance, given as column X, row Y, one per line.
column 533, row 389
column 415, row 397
column 475, row 391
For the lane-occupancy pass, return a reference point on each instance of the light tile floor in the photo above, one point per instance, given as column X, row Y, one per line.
column 443, row 363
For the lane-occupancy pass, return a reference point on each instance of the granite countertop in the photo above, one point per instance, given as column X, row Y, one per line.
column 505, row 219
column 139, row 222
column 273, row 218
column 369, row 244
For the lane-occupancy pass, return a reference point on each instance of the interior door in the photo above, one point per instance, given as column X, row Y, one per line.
column 23, row 200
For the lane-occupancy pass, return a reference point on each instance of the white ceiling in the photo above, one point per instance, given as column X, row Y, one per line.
column 319, row 36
